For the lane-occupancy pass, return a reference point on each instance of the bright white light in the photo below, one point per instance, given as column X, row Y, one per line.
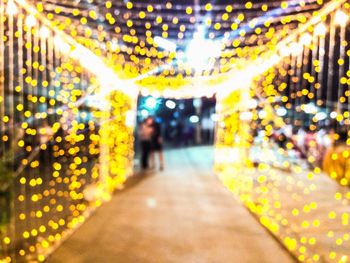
column 252, row 104
column 130, row 118
column 97, row 102
column 151, row 103
column 170, row 104
column 144, row 92
column 61, row 45
column 199, row 34
column 44, row 32
column 321, row 116
column 114, row 44
column 215, row 117
column 30, row 21
column 285, row 51
column 333, row 115
column 11, row 8
column 296, row 48
column 201, row 52
column 144, row 113
column 281, row 112
column 246, row 116
column 340, row 18
column 194, row 119
column 310, row 108
column 165, row 44
column 155, row 94
column 262, row 114
column 320, row 29
column 306, row 39
column 197, row 103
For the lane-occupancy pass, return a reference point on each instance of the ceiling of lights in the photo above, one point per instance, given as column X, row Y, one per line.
column 124, row 32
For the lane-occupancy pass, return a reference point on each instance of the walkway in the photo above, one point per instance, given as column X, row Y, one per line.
column 183, row 214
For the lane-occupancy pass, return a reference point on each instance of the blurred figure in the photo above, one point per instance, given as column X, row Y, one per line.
column 145, row 133
column 157, row 144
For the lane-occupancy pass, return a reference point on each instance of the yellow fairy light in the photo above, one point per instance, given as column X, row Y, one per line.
column 129, row 5
column 149, row 8
column 142, row 14
column 208, row 7
column 108, row 4
column 188, row 10
column 248, row 5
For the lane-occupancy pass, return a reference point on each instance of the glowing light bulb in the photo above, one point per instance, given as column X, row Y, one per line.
column 165, row 44
column 30, row 21
column 194, row 119
column 306, row 39
column 333, row 115
column 151, row 103
column 252, row 104
column 285, row 51
column 170, row 104
column 144, row 113
column 320, row 116
column 200, row 53
column 44, row 32
column 130, row 118
column 296, row 48
column 61, row 45
column 310, row 108
column 11, row 8
column 320, row 29
column 281, row 112
column 340, row 18
column 246, row 116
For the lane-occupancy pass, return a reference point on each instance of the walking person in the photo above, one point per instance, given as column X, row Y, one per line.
column 157, row 144
column 145, row 134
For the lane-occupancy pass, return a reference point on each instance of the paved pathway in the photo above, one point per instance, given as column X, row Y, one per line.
column 182, row 214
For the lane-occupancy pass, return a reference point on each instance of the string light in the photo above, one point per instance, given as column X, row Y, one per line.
column 280, row 177
column 52, row 139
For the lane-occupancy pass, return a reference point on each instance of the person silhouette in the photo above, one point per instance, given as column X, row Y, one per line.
column 145, row 132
